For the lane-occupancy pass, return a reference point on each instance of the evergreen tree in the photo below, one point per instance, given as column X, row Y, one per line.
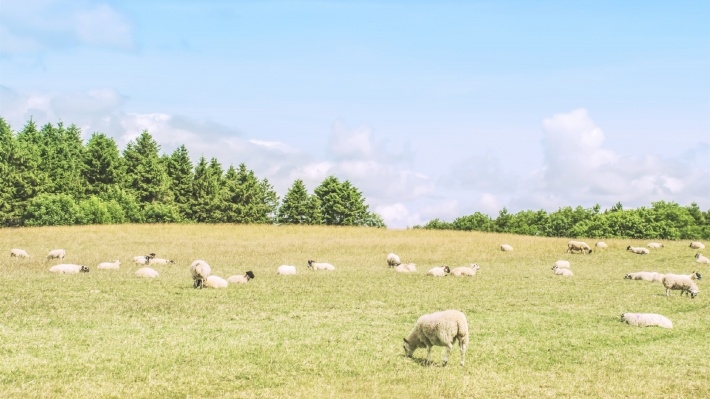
column 102, row 164
column 179, row 169
column 298, row 207
column 68, row 156
column 206, row 185
column 342, row 204
column 145, row 173
column 25, row 176
column 246, row 199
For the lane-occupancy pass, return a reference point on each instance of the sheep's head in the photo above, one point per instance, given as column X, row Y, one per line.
column 693, row 293
column 84, row 269
column 408, row 348
column 249, row 274
column 628, row 248
column 475, row 266
column 171, row 262
column 628, row 277
column 310, row 263
column 697, row 255
column 446, row 269
column 697, row 275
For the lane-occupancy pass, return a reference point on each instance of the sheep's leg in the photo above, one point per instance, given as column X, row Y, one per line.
column 462, row 346
column 447, row 351
column 668, row 292
column 428, row 355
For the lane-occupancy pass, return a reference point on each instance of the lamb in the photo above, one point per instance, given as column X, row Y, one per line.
column 646, row 320
column 147, row 272
column 645, row 276
column 406, row 268
column 200, row 270
column 68, row 268
column 393, row 260
column 56, row 254
column 465, row 271
column 286, row 270
column 638, row 250
column 697, row 245
column 215, row 282
column 438, row 329
column 654, row 245
column 601, row 244
column 506, row 248
column 560, row 271
column 320, row 266
column 241, row 279
column 159, row 261
column 701, row 259
column 562, row 264
column 682, row 282
column 109, row 265
column 19, row 253
column 439, row 271
column 580, row 246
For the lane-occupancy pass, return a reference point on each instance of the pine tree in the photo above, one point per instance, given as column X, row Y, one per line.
column 342, row 204
column 246, row 199
column 145, row 173
column 26, row 177
column 206, row 187
column 102, row 165
column 179, row 169
column 298, row 207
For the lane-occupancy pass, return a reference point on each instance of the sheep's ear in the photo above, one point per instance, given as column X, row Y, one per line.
column 405, row 340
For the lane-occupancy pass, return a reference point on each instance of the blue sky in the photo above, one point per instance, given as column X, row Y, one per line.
column 432, row 109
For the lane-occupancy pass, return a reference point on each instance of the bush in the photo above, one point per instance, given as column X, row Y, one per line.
column 52, row 210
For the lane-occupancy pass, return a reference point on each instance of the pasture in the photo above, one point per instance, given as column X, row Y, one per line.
column 110, row 334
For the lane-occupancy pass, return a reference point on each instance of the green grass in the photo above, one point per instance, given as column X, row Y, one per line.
column 109, row 334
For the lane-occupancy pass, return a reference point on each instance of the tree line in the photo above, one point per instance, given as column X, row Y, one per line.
column 49, row 176
column 663, row 220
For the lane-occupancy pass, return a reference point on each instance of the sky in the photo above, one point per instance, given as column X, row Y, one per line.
column 433, row 109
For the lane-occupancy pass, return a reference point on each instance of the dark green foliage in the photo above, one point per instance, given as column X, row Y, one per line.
column 246, row 199
column 298, row 207
column 206, row 186
column 102, row 164
column 145, row 173
column 94, row 210
column 52, row 210
column 179, row 169
column 156, row 212
column 342, row 204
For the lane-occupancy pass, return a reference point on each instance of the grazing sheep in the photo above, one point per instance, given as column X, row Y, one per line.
column 160, row 261
column 439, row 271
column 697, row 245
column 506, row 248
column 215, row 282
column 645, row 276
column 68, row 268
column 320, row 266
column 701, row 259
column 19, row 253
column 465, row 271
column 638, row 250
column 393, row 260
column 438, row 329
column 286, row 270
column 560, row 271
column 147, row 272
column 562, row 264
column 406, row 268
column 109, row 265
column 682, row 282
column 601, row 244
column 239, row 279
column 646, row 320
column 200, row 270
column 580, row 246
column 654, row 245
column 56, row 254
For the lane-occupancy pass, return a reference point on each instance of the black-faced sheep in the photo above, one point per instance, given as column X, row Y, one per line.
column 199, row 270
column 440, row 271
column 579, row 246
column 645, row 276
column 320, row 266
column 465, row 271
column 697, row 245
column 601, row 244
column 19, row 253
column 506, row 248
column 561, row 271
column 241, row 279
column 438, row 329
column 160, row 261
column 393, row 260
column 701, row 259
column 638, row 250
column 68, row 268
column 56, row 254
column 682, row 282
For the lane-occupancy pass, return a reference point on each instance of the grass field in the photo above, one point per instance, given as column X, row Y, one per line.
column 109, row 334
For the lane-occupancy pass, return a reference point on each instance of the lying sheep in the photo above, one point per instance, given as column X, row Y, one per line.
column 601, row 244
column 241, row 279
column 109, row 265
column 215, row 282
column 19, row 253
column 200, row 270
column 506, row 248
column 320, row 266
column 697, row 245
column 654, row 245
column 562, row 264
column 560, row 271
column 147, row 272
column 682, row 282
column 465, row 271
column 406, row 268
column 159, row 261
column 580, row 246
column 143, row 259
column 441, row 271
column 56, row 254
column 438, row 329
column 393, row 260
column 286, row 270
column 646, row 320
column 68, row 268
column 701, row 259
column 638, row 250
column 645, row 276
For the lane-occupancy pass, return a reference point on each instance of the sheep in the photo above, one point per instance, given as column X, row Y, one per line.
column 438, row 329
column 200, row 270
column 56, row 254
column 286, row 270
column 239, row 279
column 19, row 253
column 654, row 245
column 465, row 271
column 320, row 266
column 393, row 260
column 682, row 282
column 601, row 244
column 215, row 282
column 580, row 246
column 68, row 268
column 645, row 276
column 109, row 265
column 159, row 261
column 638, row 250
column 562, row 264
column 560, row 271
column 147, row 272
column 143, row 259
column 406, row 268
column 439, row 271
column 506, row 248
column 646, row 320
column 701, row 259
column 697, row 245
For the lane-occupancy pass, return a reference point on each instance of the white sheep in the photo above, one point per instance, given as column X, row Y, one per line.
column 440, row 271
column 215, row 282
column 320, row 266
column 646, row 320
column 19, row 253
column 506, row 247
column 68, row 268
column 645, row 276
column 56, row 254
column 438, row 329
column 682, row 282
column 465, row 271
column 654, row 245
column 160, row 261
column 697, row 245
column 638, row 250
column 147, row 272
column 563, row 264
column 580, row 246
column 560, row 271
column 601, row 244
column 241, row 279
column 701, row 259
column 406, row 268
column 200, row 270
column 109, row 265
column 143, row 259
column 393, row 260
column 286, row 270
